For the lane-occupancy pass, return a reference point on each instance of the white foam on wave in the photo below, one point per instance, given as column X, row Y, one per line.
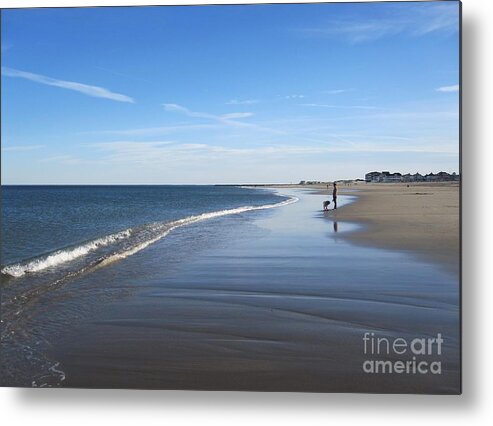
column 62, row 256
column 135, row 249
column 188, row 221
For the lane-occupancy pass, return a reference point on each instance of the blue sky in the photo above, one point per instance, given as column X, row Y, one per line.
column 229, row 94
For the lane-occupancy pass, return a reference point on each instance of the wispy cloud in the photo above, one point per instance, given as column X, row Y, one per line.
column 368, row 107
column 230, row 119
column 64, row 159
column 355, row 32
column 413, row 20
column 94, row 91
column 166, row 152
column 22, row 148
column 336, row 91
column 147, row 153
column 243, row 102
column 295, row 96
column 155, row 131
column 236, row 115
column 454, row 88
column 402, row 116
column 442, row 18
column 227, row 119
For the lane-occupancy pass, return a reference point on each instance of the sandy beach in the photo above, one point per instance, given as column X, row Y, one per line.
column 419, row 218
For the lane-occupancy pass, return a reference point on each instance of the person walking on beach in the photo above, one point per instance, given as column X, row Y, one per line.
column 334, row 195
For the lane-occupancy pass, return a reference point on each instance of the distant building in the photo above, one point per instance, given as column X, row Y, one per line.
column 370, row 176
column 444, row 176
column 387, row 177
column 310, row 182
column 392, row 177
column 431, row 177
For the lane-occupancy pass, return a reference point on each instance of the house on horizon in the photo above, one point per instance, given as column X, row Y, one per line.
column 387, row 177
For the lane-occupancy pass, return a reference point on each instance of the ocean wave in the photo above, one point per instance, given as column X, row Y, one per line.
column 151, row 234
column 168, row 227
column 63, row 255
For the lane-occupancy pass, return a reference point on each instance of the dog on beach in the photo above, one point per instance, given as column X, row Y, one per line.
column 326, row 205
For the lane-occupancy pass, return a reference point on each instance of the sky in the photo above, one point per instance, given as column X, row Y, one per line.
column 229, row 94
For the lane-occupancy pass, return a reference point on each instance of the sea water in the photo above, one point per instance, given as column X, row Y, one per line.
column 53, row 235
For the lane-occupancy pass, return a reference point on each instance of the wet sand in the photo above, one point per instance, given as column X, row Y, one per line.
column 422, row 219
column 280, row 303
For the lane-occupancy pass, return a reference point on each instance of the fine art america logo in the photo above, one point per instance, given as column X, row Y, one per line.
column 398, row 355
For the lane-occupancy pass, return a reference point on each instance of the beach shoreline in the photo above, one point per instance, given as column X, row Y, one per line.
column 266, row 300
column 421, row 219
column 278, row 301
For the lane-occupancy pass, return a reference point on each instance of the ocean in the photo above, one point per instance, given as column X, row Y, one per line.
column 44, row 227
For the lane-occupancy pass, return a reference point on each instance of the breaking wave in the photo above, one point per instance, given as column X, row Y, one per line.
column 144, row 236
column 62, row 256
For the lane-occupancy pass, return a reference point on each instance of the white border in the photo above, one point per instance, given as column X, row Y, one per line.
column 89, row 407
column 65, row 3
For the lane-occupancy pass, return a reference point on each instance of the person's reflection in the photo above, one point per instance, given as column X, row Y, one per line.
column 336, row 227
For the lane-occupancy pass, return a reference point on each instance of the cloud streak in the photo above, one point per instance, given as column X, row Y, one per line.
column 336, row 91
column 447, row 89
column 230, row 119
column 155, row 131
column 94, row 91
column 227, row 119
column 235, row 115
column 166, row 152
column 405, row 20
column 341, row 106
column 22, row 148
column 243, row 102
